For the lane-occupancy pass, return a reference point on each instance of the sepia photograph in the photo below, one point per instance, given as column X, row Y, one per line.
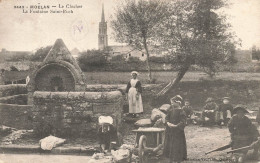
column 129, row 81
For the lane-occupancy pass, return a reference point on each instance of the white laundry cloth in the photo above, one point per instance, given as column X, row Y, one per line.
column 50, row 142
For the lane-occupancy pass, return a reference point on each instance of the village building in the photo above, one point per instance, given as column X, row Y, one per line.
column 6, row 54
column 75, row 53
column 126, row 51
column 16, row 72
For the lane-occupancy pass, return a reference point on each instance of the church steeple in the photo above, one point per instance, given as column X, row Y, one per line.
column 103, row 15
column 102, row 36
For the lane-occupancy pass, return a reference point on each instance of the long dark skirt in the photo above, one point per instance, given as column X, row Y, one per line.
column 175, row 145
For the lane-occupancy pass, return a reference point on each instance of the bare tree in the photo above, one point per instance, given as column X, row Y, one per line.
column 135, row 22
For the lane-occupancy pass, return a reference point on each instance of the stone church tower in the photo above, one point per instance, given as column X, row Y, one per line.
column 102, row 36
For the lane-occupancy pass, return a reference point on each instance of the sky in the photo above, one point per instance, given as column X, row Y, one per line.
column 28, row 31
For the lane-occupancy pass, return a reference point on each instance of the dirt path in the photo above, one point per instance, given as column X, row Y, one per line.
column 199, row 141
column 203, row 139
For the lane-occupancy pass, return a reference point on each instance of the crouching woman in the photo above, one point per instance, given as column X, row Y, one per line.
column 107, row 133
column 243, row 133
column 175, row 142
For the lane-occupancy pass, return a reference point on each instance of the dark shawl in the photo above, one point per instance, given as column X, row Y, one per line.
column 224, row 108
column 188, row 111
column 243, row 132
column 241, row 127
column 107, row 137
column 211, row 106
column 137, row 86
column 175, row 141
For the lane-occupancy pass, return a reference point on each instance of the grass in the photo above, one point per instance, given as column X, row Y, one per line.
column 163, row 77
column 159, row 76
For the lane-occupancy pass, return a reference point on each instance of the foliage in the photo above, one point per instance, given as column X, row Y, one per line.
column 157, row 59
column 40, row 54
column 117, row 58
column 196, row 33
column 255, row 53
column 13, row 68
column 92, row 59
column 133, row 60
column 135, row 22
column 163, row 59
column 19, row 57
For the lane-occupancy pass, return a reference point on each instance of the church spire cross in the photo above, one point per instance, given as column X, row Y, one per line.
column 103, row 15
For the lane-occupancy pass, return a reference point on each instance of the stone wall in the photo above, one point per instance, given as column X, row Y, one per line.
column 20, row 99
column 74, row 113
column 147, row 88
column 13, row 109
column 16, row 116
column 9, row 90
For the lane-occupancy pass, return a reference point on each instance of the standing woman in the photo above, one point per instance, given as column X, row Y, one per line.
column 134, row 97
column 175, row 142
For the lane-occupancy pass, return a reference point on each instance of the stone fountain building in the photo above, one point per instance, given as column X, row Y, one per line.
column 59, row 72
column 58, row 94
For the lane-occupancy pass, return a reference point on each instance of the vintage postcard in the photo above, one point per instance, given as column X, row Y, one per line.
column 129, row 81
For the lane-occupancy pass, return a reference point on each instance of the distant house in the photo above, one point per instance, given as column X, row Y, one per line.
column 16, row 72
column 75, row 53
column 19, row 66
column 5, row 54
column 126, row 50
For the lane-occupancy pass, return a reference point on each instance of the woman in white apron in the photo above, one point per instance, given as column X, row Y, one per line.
column 134, row 91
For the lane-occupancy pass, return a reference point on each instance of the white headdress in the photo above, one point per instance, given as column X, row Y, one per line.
column 134, row 72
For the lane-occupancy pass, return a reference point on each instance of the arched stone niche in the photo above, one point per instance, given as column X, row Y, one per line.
column 59, row 76
column 55, row 78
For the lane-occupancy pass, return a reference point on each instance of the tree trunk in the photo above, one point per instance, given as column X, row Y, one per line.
column 174, row 81
column 147, row 60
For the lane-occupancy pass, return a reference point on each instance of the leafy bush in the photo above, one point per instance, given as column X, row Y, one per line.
column 133, row 60
column 40, row 54
column 117, row 58
column 157, row 59
column 92, row 59
column 19, row 57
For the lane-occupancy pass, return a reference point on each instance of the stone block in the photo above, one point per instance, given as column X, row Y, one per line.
column 67, row 114
column 85, row 105
column 87, row 113
column 35, row 113
column 76, row 120
column 103, row 108
column 78, row 108
column 68, row 120
column 59, row 95
column 66, row 125
column 41, row 95
column 68, row 108
column 74, row 95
